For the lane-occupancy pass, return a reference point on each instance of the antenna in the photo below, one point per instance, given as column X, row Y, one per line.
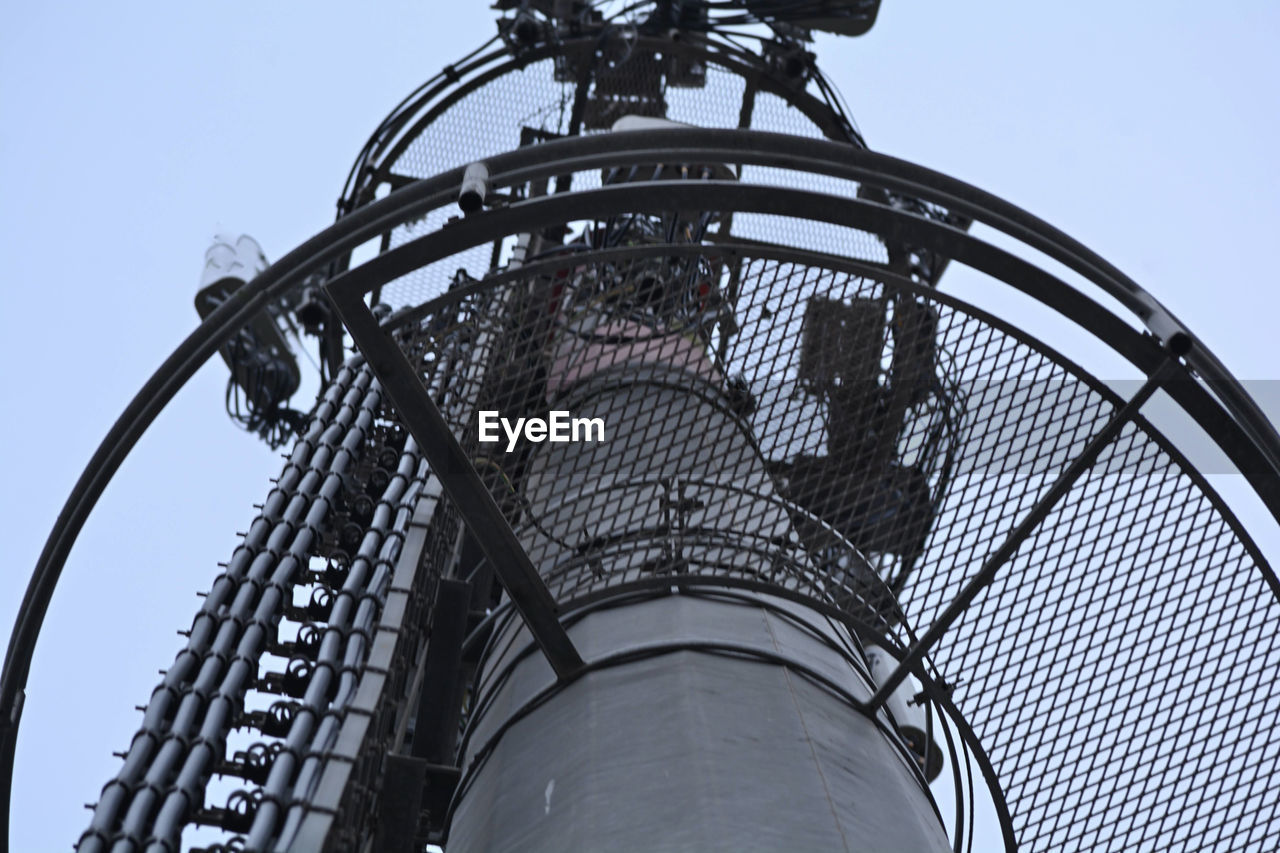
column 660, row 495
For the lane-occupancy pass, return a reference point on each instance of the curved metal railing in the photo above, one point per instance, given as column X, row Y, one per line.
column 1195, row 379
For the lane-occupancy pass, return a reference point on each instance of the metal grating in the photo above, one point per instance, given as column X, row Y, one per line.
column 473, row 123
column 1117, row 671
column 1120, row 669
column 845, row 438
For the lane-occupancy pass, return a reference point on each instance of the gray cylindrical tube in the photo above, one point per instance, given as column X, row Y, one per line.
column 676, row 744
column 475, row 186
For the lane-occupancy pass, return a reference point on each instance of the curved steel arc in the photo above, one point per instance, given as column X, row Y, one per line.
column 1174, row 376
column 844, row 161
column 754, row 147
column 615, row 254
column 656, row 196
column 940, row 694
column 839, row 160
column 404, row 124
column 942, row 697
column 395, row 120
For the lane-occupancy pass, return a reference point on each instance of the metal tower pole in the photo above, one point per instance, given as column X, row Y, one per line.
column 686, row 697
column 656, row 497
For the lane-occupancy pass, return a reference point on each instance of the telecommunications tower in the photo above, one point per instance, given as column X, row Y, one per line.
column 659, row 496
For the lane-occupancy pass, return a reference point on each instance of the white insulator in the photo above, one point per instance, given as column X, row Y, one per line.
column 907, row 713
column 232, row 257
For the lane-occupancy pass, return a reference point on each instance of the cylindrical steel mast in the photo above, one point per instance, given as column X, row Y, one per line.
column 688, row 697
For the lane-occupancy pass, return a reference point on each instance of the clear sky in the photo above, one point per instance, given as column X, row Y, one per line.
column 130, row 133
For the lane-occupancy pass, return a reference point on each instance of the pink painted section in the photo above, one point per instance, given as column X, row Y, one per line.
column 619, row 343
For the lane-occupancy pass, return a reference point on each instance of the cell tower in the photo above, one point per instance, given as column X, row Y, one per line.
column 657, row 497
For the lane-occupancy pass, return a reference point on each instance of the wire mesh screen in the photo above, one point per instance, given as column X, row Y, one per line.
column 1120, row 670
column 867, row 446
column 718, row 103
column 526, row 104
column 740, row 419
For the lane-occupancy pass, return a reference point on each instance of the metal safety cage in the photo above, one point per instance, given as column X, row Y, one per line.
column 993, row 452
column 562, row 85
column 557, row 83
column 1016, row 449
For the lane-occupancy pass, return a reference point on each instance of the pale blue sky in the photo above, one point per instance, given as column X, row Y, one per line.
column 130, row 133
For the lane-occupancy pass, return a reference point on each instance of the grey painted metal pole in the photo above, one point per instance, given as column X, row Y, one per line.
column 702, row 720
